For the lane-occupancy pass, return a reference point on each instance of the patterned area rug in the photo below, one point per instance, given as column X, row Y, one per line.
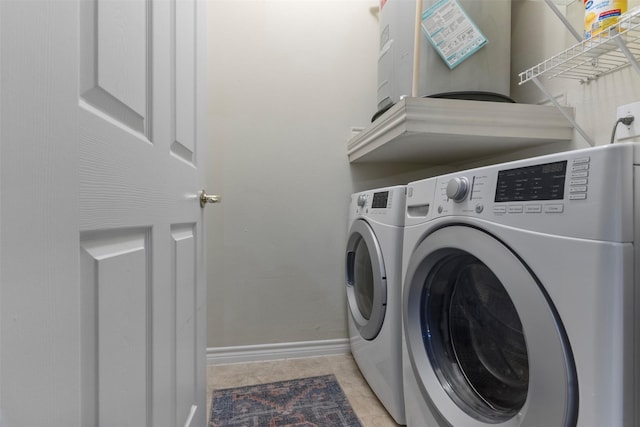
column 306, row 402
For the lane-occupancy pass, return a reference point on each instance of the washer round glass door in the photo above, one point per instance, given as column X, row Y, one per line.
column 485, row 343
column 366, row 280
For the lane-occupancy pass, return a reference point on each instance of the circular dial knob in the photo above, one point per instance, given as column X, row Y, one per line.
column 362, row 200
column 457, row 189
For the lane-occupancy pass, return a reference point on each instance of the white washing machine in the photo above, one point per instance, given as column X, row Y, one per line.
column 520, row 293
column 373, row 280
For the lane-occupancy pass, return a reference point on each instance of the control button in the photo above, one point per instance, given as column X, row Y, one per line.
column 512, row 209
column 554, row 208
column 578, row 196
column 440, row 209
column 499, row 209
column 579, row 174
column 580, row 167
column 580, row 189
column 533, row 208
column 479, row 208
column 580, row 181
column 586, row 159
column 457, row 188
column 362, row 200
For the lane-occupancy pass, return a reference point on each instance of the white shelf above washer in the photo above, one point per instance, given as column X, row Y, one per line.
column 441, row 131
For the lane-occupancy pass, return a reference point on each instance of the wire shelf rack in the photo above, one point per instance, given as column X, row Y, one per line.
column 615, row 48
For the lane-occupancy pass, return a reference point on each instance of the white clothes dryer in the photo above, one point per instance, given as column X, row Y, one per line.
column 520, row 295
column 373, row 285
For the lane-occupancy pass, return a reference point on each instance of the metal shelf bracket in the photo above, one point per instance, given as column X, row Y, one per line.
column 562, row 110
column 564, row 20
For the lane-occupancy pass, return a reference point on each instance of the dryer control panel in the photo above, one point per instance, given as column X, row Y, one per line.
column 385, row 205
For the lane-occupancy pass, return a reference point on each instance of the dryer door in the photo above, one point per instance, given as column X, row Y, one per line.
column 366, row 280
column 485, row 342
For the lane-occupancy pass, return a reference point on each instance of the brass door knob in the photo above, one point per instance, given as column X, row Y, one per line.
column 208, row 198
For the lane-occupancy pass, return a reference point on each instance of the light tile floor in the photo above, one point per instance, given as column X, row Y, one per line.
column 364, row 402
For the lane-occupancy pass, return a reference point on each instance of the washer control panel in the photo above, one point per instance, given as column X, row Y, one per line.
column 579, row 178
column 587, row 193
column 538, row 188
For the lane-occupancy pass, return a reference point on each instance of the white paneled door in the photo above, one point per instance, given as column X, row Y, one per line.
column 102, row 295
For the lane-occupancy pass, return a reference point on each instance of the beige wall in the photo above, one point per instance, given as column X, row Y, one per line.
column 288, row 79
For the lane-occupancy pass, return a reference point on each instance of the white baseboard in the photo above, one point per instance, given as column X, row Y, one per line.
column 264, row 352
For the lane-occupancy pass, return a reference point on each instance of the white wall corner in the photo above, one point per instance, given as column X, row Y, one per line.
column 264, row 352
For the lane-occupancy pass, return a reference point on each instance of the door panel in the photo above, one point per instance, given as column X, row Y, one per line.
column 115, row 306
column 113, row 59
column 122, row 50
column 183, row 80
column 133, row 175
column 184, row 284
column 108, row 318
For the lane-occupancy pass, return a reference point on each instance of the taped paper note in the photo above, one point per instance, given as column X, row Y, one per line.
column 451, row 32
